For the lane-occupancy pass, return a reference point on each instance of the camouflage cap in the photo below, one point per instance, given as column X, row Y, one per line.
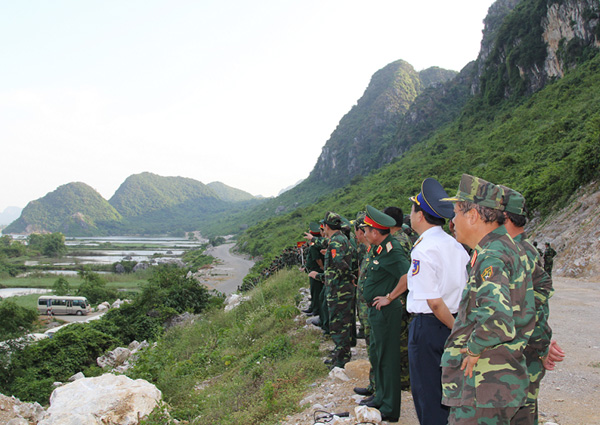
column 377, row 219
column 479, row 191
column 314, row 227
column 513, row 201
column 346, row 223
column 332, row 219
column 360, row 219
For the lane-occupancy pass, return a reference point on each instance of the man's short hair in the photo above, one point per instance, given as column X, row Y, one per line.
column 517, row 220
column 436, row 221
column 487, row 214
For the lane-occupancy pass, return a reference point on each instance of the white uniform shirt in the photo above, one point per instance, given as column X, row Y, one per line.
column 438, row 270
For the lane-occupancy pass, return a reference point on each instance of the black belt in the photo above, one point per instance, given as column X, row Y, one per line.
column 430, row 314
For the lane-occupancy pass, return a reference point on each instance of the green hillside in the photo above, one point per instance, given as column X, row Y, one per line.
column 228, row 193
column 146, row 192
column 74, row 209
column 545, row 145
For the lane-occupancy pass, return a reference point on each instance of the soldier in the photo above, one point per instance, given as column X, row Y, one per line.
column 363, row 250
column 435, row 285
column 314, row 262
column 406, row 244
column 549, row 255
column 538, row 250
column 539, row 343
column 337, row 277
column 484, row 374
column 386, row 264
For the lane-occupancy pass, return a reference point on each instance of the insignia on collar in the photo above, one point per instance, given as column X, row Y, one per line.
column 473, row 258
column 416, row 267
column 379, row 249
column 388, row 246
column 369, row 248
column 487, row 273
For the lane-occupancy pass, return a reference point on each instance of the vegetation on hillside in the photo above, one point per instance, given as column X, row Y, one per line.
column 546, row 146
column 29, row 371
column 74, row 209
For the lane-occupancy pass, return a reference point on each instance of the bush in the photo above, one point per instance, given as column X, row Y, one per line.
column 15, row 320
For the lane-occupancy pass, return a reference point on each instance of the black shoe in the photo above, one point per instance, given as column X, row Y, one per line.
column 308, row 311
column 328, row 361
column 372, row 404
column 366, row 400
column 316, row 321
column 389, row 419
column 362, row 391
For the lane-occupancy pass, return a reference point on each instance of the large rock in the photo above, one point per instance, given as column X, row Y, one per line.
column 103, row 400
column 114, row 358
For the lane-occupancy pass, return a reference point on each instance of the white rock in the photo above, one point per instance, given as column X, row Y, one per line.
column 31, row 411
column 103, row 400
column 78, row 375
column 339, row 373
column 114, row 358
column 103, row 306
column 17, row 421
column 367, row 414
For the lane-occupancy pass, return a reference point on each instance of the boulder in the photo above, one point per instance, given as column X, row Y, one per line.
column 367, row 415
column 114, row 358
column 103, row 306
column 103, row 400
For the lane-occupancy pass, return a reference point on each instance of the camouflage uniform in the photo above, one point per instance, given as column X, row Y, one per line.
column 549, row 255
column 320, row 243
column 538, row 344
column 406, row 244
column 539, row 341
column 337, row 277
column 495, row 320
column 386, row 263
column 362, row 307
column 313, row 257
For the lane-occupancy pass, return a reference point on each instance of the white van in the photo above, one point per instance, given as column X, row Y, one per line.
column 54, row 304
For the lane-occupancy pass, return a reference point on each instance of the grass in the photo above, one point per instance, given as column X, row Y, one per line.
column 251, row 365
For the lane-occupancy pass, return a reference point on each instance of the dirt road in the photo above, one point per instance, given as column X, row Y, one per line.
column 229, row 273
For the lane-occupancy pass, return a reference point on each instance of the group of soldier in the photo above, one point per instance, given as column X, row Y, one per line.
column 461, row 319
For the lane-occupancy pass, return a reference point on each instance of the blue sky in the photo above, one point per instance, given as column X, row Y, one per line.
column 242, row 92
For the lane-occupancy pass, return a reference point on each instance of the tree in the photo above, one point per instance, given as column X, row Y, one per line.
column 15, row 320
column 61, row 286
column 94, row 288
column 54, row 245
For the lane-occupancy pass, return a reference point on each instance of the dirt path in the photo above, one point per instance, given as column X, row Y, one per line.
column 568, row 395
column 229, row 273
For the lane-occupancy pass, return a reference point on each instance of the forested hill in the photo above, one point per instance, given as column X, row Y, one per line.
column 531, row 121
column 145, row 203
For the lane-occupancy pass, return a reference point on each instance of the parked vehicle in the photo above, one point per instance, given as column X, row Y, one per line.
column 61, row 305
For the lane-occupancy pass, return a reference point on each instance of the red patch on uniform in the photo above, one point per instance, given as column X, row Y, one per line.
column 333, row 253
column 473, row 258
column 379, row 249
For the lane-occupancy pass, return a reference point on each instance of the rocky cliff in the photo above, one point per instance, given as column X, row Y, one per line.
column 527, row 44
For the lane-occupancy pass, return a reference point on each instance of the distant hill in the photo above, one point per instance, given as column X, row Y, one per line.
column 9, row 215
column 146, row 192
column 74, row 209
column 145, row 204
column 228, row 193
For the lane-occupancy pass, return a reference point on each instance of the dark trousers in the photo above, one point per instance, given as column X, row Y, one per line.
column 426, row 339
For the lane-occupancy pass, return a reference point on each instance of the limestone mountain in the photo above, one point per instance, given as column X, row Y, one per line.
column 75, row 209
column 355, row 147
column 529, row 43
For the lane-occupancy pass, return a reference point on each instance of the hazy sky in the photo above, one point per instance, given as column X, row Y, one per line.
column 242, row 92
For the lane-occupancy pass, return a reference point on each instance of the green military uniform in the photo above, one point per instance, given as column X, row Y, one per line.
column 386, row 263
column 314, row 262
column 337, row 277
column 406, row 244
column 538, row 344
column 321, row 243
column 495, row 321
column 549, row 255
